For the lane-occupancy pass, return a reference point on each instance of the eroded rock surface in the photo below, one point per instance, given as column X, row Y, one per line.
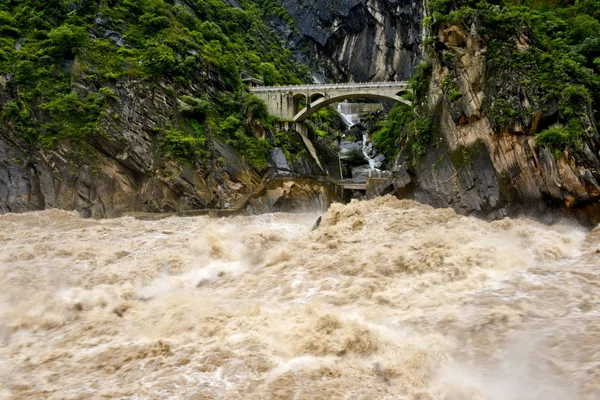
column 356, row 40
column 477, row 168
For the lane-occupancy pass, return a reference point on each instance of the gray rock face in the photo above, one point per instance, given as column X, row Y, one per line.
column 347, row 148
column 355, row 40
column 128, row 171
column 115, row 37
column 362, row 172
column 379, row 160
column 280, row 161
column 475, row 169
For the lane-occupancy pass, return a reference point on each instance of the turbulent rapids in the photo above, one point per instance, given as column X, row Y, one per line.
column 387, row 299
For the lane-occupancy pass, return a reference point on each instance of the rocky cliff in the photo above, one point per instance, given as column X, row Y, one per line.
column 137, row 106
column 486, row 156
column 126, row 169
column 356, row 40
column 121, row 170
column 167, row 128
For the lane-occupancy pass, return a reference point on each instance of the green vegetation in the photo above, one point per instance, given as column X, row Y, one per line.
column 404, row 130
column 183, row 146
column 408, row 129
column 395, row 128
column 548, row 50
column 328, row 121
column 561, row 138
column 455, row 95
column 67, row 59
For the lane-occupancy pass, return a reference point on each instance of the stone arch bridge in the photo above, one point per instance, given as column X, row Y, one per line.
column 286, row 102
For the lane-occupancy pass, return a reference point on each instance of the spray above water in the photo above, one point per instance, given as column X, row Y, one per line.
column 386, row 299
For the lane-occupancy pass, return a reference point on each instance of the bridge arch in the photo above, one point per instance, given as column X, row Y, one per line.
column 315, row 96
column 297, row 99
column 306, row 112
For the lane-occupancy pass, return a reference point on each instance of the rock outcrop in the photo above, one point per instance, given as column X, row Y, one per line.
column 357, row 40
column 476, row 167
column 121, row 170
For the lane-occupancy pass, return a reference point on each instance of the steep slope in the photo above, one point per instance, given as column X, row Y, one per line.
column 112, row 106
column 505, row 110
column 357, row 40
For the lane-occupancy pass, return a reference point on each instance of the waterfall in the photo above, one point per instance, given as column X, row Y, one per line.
column 345, row 111
column 365, row 151
column 349, row 113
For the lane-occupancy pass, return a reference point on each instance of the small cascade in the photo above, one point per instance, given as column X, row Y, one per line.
column 366, row 149
column 348, row 114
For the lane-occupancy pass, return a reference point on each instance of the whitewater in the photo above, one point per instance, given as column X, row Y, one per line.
column 386, row 299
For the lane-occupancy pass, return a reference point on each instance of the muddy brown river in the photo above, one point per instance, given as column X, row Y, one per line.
column 388, row 299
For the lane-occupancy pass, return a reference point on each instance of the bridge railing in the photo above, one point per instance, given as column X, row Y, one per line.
column 365, row 85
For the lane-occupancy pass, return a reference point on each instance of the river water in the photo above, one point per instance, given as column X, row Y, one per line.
column 387, row 299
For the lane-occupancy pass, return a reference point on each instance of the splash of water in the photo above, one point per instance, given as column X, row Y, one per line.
column 349, row 118
column 386, row 299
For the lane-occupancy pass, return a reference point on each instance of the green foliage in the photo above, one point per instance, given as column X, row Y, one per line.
column 403, row 129
column 195, row 108
column 328, row 121
column 421, row 135
column 11, row 110
column 455, row 95
column 269, row 73
column 575, row 101
column 582, row 27
column 419, row 82
column 395, row 128
column 556, row 60
column 153, row 23
column 71, row 117
column 503, row 112
column 257, row 151
column 561, row 138
column 101, row 44
column 66, row 40
column 108, row 93
column 256, row 108
column 158, row 61
column 182, row 146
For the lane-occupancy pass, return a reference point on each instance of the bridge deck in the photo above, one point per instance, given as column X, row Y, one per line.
column 330, row 86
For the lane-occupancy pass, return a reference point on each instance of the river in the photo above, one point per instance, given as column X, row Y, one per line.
column 387, row 299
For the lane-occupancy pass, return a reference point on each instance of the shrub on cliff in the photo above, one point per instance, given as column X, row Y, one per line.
column 66, row 40
column 184, row 147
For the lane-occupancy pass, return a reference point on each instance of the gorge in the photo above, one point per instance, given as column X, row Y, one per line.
column 294, row 199
column 99, row 119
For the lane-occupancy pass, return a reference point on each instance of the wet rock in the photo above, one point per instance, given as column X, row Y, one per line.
column 346, row 148
column 128, row 172
column 115, row 37
column 355, row 40
column 291, row 196
column 378, row 160
column 479, row 167
column 280, row 162
column 317, row 223
column 361, row 173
